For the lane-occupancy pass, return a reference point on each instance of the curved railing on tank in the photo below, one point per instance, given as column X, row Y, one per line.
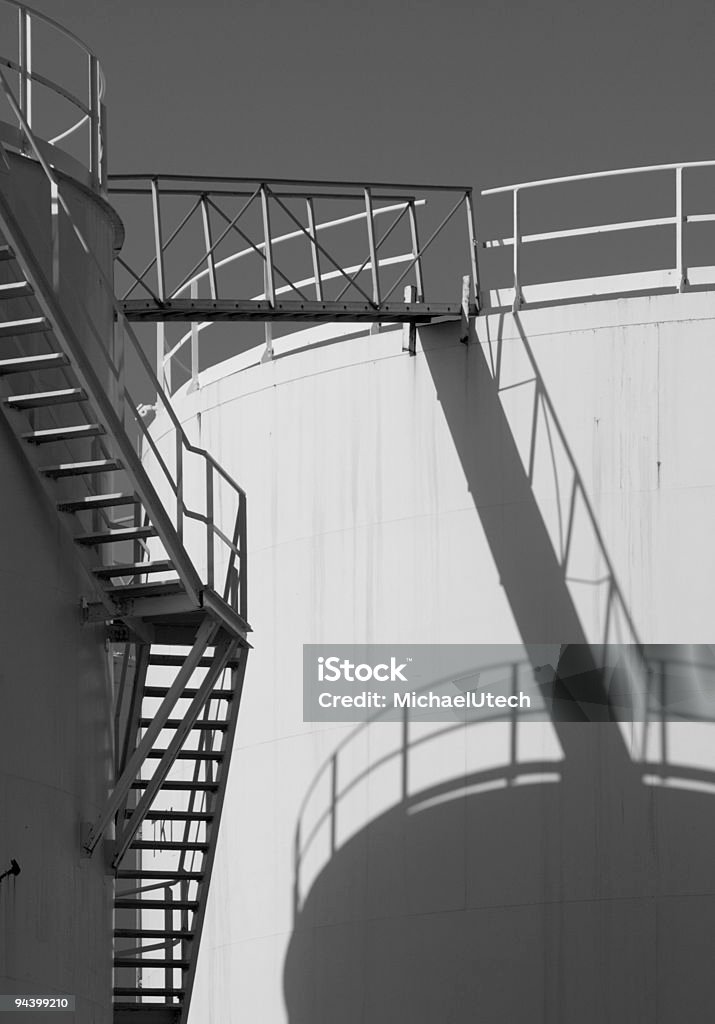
column 371, row 770
column 57, row 113
column 546, row 267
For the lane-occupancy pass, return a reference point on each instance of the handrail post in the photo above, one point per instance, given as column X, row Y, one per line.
column 369, row 217
column 179, row 486
column 516, row 247
column 243, row 564
column 268, row 249
column 412, row 213
column 210, row 262
column 472, row 235
column 680, row 268
column 158, row 244
column 314, row 250
column 193, row 386
column 94, row 146
column 209, row 525
column 25, row 55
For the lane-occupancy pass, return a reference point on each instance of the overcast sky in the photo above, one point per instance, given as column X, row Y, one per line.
column 476, row 93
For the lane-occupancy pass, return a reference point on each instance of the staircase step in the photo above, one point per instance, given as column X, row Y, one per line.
column 177, row 660
column 174, row 723
column 175, row 815
column 135, row 903
column 15, row 289
column 6, row 253
column 120, row 961
column 152, row 933
column 78, row 468
column 113, row 536
column 106, row 572
column 156, row 589
column 168, row 844
column 63, row 433
column 190, row 691
column 28, row 364
column 190, row 755
column 187, row 876
column 174, row 785
column 179, row 992
column 43, row 398
column 93, row 501
column 30, row 325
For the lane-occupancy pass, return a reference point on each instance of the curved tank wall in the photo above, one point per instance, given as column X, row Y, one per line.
column 55, row 725
column 552, row 872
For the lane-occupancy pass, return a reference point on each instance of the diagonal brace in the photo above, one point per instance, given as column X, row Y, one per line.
column 207, row 633
column 222, row 655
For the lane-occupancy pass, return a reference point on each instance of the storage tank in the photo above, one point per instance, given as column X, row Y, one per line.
column 56, row 720
column 544, row 480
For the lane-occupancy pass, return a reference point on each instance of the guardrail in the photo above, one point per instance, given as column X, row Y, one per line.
column 52, row 121
column 123, row 359
column 674, row 277
column 309, row 250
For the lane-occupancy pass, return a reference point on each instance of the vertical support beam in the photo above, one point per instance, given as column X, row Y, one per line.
column 119, row 359
column 473, row 244
column 194, row 385
column 412, row 213
column 466, row 294
column 314, row 250
column 371, row 243
column 243, row 566
column 208, row 241
column 94, row 137
column 409, row 329
column 25, row 55
column 516, row 233
column 163, row 370
column 102, row 148
column 681, row 270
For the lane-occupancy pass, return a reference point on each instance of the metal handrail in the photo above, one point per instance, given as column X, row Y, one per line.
column 679, row 219
column 116, row 406
column 91, row 108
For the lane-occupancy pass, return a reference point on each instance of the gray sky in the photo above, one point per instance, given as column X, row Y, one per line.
column 475, row 93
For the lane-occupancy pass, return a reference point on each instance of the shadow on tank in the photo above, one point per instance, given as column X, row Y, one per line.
column 576, row 888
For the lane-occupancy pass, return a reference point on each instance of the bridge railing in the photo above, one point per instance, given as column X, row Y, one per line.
column 673, row 274
column 58, row 85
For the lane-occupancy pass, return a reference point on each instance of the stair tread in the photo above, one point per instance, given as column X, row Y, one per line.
column 133, row 569
column 146, row 991
column 22, row 364
column 189, row 876
column 27, row 325
column 167, row 844
column 174, row 723
column 12, row 289
column 148, row 589
column 37, row 399
column 190, row 755
column 190, row 691
column 153, row 933
column 136, row 903
column 47, row 435
column 93, row 501
column 179, row 659
column 122, row 961
column 7, row 252
column 111, row 536
column 158, row 815
column 77, row 468
column 175, row 785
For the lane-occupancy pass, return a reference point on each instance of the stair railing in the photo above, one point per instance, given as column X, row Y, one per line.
column 119, row 408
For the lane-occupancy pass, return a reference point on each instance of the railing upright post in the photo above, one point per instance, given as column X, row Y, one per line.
column 209, row 525
column 472, row 234
column 268, row 248
column 210, row 262
column 55, row 234
column 94, row 147
column 371, row 243
column 179, row 485
column 158, row 244
column 412, row 213
column 25, row 55
column 194, row 342
column 243, row 564
column 517, row 252
column 102, row 148
column 680, row 268
column 314, row 250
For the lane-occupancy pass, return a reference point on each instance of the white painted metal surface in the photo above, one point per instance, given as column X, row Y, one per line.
column 430, row 500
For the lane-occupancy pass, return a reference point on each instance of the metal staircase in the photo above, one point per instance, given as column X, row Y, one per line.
column 166, row 578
